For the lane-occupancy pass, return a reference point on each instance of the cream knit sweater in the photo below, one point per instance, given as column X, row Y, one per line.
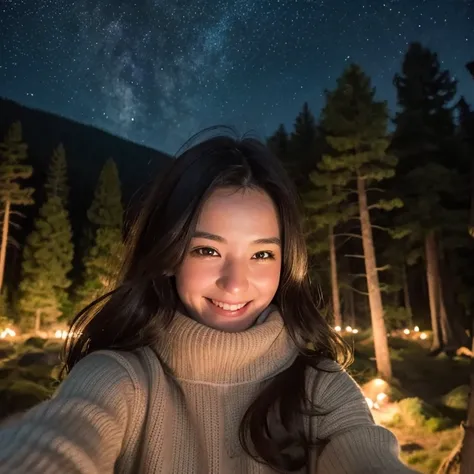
column 120, row 412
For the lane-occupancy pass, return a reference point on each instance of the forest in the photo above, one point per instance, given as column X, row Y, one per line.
column 389, row 222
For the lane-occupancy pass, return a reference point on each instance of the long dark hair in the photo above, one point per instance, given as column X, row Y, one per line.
column 144, row 300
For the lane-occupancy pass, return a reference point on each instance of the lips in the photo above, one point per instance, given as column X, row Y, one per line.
column 232, row 310
column 229, row 306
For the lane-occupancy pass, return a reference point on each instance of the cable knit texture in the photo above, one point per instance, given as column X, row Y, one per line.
column 175, row 408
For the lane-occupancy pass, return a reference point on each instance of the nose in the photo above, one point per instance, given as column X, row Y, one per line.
column 234, row 278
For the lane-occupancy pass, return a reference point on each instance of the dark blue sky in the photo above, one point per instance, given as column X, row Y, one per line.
column 157, row 71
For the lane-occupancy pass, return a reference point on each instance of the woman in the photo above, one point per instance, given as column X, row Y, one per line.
column 210, row 356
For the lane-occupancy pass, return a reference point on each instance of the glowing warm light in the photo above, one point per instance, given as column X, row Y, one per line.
column 60, row 334
column 406, row 331
column 338, row 328
column 378, row 401
column 416, row 329
column 7, row 332
column 423, row 336
column 348, row 329
column 381, row 397
column 355, row 331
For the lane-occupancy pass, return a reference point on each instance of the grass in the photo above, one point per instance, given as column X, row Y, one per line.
column 433, row 398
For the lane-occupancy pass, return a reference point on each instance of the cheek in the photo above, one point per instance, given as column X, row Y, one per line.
column 191, row 277
column 267, row 279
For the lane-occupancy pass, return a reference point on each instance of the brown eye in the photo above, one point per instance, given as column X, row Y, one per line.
column 264, row 255
column 205, row 252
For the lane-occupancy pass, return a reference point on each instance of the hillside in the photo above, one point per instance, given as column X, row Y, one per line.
column 87, row 149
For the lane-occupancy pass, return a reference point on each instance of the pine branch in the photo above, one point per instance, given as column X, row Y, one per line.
column 14, row 242
column 15, row 225
column 348, row 234
column 13, row 213
column 379, row 227
column 341, row 244
column 358, row 275
column 354, row 256
column 380, row 190
column 360, row 292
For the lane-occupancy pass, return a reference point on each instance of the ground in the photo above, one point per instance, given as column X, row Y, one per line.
column 433, row 394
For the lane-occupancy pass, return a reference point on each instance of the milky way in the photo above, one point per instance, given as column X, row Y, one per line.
column 157, row 71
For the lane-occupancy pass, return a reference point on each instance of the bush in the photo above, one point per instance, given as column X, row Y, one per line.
column 457, row 398
column 6, row 350
column 21, row 395
column 414, row 412
column 38, row 373
column 53, row 346
column 36, row 342
column 436, row 424
column 396, row 317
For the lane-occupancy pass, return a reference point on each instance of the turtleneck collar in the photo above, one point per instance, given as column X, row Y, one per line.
column 198, row 353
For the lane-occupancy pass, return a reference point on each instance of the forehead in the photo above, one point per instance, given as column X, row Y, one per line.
column 243, row 210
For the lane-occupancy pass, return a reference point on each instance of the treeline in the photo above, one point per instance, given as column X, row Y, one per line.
column 387, row 213
column 384, row 209
column 47, row 294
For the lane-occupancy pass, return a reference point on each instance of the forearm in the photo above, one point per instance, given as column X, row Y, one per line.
column 79, row 431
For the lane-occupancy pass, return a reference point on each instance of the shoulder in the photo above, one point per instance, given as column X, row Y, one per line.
column 329, row 385
column 109, row 371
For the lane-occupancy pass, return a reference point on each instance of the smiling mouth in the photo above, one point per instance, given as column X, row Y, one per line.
column 227, row 306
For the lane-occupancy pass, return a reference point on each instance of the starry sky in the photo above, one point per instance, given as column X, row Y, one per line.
column 158, row 71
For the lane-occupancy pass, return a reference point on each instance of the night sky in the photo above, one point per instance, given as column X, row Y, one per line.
column 157, row 71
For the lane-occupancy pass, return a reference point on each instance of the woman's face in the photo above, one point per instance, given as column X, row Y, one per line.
column 231, row 270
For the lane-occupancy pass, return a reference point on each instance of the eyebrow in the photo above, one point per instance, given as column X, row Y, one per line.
column 218, row 238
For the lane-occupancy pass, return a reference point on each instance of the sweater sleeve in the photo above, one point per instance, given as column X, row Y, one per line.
column 79, row 430
column 353, row 443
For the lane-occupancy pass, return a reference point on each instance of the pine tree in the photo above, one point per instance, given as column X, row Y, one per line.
column 279, row 144
column 56, row 181
column 48, row 252
column 466, row 137
column 467, row 447
column 13, row 154
column 425, row 128
column 356, row 127
column 304, row 150
column 328, row 206
column 103, row 259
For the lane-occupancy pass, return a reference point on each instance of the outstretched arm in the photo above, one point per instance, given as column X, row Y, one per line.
column 354, row 443
column 79, row 430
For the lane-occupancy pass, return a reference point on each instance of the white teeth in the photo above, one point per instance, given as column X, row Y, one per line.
column 228, row 307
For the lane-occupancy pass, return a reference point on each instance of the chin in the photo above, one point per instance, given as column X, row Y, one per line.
column 214, row 318
column 228, row 324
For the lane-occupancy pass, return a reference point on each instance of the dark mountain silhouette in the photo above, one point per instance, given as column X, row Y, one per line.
column 87, row 149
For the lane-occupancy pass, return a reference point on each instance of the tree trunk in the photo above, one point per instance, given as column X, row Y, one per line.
column 472, row 334
column 336, row 302
column 432, row 278
column 406, row 294
column 382, row 355
column 447, row 336
column 350, row 307
column 471, row 213
column 3, row 248
column 37, row 321
column 467, row 449
column 453, row 328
